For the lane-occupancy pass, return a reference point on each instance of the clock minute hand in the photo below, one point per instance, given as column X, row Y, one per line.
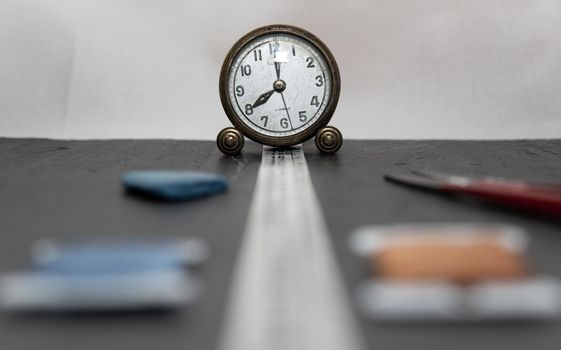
column 263, row 98
column 277, row 69
column 286, row 109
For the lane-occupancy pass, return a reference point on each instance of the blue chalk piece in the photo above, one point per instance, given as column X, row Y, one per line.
column 174, row 185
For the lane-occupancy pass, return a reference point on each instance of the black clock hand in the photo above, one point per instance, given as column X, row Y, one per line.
column 277, row 68
column 286, row 109
column 263, row 98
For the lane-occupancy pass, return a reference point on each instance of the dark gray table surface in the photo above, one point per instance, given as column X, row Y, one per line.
column 71, row 189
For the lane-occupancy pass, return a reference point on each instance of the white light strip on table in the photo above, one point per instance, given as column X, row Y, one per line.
column 287, row 293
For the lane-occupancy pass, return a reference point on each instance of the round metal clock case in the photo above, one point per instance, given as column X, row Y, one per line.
column 279, row 86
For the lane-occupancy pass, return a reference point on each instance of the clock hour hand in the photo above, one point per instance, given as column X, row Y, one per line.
column 263, row 98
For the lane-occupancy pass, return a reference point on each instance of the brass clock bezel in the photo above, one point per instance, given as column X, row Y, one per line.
column 323, row 119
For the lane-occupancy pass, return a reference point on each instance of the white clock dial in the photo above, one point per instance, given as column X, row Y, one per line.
column 279, row 84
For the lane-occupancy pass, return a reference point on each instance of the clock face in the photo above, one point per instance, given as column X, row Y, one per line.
column 279, row 85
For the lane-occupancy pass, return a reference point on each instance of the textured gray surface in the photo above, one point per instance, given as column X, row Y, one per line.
column 71, row 188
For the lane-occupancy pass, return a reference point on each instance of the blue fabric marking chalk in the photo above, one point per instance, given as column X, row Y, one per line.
column 174, row 185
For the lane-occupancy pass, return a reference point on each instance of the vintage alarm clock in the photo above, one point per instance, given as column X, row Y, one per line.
column 279, row 86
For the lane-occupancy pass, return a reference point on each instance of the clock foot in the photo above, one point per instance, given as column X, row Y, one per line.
column 230, row 141
column 329, row 139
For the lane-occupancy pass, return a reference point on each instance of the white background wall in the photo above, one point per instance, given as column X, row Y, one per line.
column 410, row 68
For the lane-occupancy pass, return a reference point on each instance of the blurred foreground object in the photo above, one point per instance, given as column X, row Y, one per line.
column 117, row 254
column 106, row 275
column 534, row 197
column 461, row 264
column 174, row 185
column 460, row 272
column 112, row 291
